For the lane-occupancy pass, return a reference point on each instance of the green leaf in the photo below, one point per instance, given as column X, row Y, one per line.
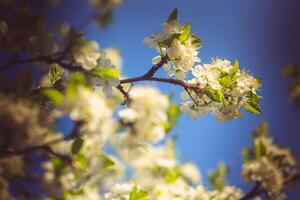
column 226, row 80
column 136, row 194
column 253, row 104
column 255, row 99
column 196, row 41
column 168, row 42
column 77, row 79
column 247, row 153
column 123, row 103
column 74, row 193
column 172, row 175
column 252, row 108
column 235, row 68
column 77, row 145
column 106, row 73
column 107, row 161
column 215, row 95
column 185, row 32
column 260, row 149
column 173, row 113
column 57, row 162
column 81, row 159
column 173, row 16
column 217, row 177
column 53, row 95
column 55, row 73
column 261, row 130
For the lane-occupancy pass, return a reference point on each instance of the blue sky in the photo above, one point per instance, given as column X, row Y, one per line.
column 262, row 35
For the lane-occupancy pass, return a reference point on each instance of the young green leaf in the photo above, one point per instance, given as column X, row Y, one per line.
column 172, row 175
column 106, row 161
column 260, row 149
column 185, row 32
column 217, row 178
column 173, row 16
column 252, row 108
column 196, row 41
column 247, row 153
column 235, row 68
column 53, row 95
column 77, row 79
column 215, row 95
column 261, row 130
column 77, row 145
column 173, row 113
column 55, row 73
column 137, row 194
column 105, row 73
column 81, row 159
column 226, row 80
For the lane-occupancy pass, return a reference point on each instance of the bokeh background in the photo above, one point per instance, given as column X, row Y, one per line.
column 262, row 34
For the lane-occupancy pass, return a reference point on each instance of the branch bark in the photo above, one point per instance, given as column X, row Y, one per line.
column 149, row 76
column 45, row 147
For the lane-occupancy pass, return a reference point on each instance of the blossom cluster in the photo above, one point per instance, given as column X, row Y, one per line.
column 220, row 87
column 268, row 164
column 146, row 114
column 161, row 177
column 224, row 90
column 180, row 47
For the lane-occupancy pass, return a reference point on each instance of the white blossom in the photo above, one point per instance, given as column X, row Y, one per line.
column 86, row 53
column 225, row 91
column 182, row 54
column 147, row 112
column 264, row 171
column 91, row 108
column 190, row 172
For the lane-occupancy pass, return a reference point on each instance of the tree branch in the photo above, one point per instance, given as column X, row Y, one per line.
column 149, row 76
column 182, row 83
column 253, row 193
column 125, row 94
column 46, row 146
column 50, row 59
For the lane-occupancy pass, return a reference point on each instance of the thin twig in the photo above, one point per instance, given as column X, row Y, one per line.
column 125, row 94
column 187, row 91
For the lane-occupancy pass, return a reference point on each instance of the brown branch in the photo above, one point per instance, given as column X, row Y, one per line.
column 14, row 62
column 63, row 157
column 125, row 94
column 182, row 83
column 46, row 146
column 256, row 190
column 56, row 58
column 149, row 76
